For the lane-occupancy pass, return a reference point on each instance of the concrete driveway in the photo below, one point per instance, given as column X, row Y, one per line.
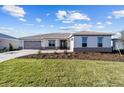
column 13, row 54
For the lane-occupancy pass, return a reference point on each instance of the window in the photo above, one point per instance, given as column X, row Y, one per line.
column 84, row 41
column 100, row 41
column 51, row 43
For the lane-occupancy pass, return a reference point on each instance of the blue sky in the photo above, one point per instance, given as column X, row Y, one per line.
column 27, row 20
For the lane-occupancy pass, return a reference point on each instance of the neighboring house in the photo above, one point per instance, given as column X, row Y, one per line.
column 80, row 41
column 5, row 40
column 117, row 44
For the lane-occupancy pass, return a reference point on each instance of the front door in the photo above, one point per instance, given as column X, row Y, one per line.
column 63, row 44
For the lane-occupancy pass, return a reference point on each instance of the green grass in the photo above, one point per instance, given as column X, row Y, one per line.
column 61, row 73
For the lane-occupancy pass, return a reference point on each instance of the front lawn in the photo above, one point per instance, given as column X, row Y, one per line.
column 61, row 72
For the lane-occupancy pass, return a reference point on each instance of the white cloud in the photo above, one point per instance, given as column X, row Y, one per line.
column 98, row 23
column 51, row 26
column 61, row 15
column 100, row 26
column 13, row 10
column 38, row 20
column 6, row 28
column 22, row 19
column 77, row 16
column 16, row 33
column 77, row 27
column 70, row 16
column 118, row 14
column 42, row 25
column 66, row 21
column 12, row 32
column 108, row 22
column 109, row 17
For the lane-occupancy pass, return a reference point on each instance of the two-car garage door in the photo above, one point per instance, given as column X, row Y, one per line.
column 32, row 44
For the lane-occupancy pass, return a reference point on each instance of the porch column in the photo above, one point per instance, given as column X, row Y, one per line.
column 57, row 43
column 43, row 43
column 68, row 44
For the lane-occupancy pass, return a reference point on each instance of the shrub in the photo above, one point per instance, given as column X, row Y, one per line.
column 10, row 47
column 39, row 52
column 3, row 50
column 55, row 52
column 65, row 52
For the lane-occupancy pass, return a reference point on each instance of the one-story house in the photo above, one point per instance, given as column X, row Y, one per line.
column 79, row 41
column 6, row 40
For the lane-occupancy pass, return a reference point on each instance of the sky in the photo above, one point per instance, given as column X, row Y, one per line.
column 25, row 20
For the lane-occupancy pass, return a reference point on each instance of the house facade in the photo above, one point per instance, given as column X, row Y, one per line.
column 46, row 41
column 80, row 41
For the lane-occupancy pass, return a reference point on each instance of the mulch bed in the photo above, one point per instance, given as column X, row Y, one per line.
column 79, row 55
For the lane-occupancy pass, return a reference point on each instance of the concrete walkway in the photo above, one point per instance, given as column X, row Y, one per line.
column 53, row 51
column 13, row 54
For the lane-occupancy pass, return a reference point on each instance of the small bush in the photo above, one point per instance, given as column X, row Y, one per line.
column 39, row 52
column 3, row 50
column 65, row 52
column 10, row 47
column 55, row 52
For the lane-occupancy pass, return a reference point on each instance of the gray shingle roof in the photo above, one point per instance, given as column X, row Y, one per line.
column 62, row 35
column 92, row 33
column 47, row 36
column 6, row 36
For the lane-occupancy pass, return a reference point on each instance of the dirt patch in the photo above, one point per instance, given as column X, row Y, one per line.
column 79, row 55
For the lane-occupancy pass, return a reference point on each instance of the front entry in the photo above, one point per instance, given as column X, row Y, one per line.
column 63, row 44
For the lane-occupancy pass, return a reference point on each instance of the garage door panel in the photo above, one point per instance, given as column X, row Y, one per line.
column 32, row 44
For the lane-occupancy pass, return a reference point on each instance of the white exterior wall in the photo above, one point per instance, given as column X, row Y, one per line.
column 57, row 43
column 4, row 43
column 45, row 42
column 21, row 43
column 72, row 44
column 92, row 41
column 68, row 43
